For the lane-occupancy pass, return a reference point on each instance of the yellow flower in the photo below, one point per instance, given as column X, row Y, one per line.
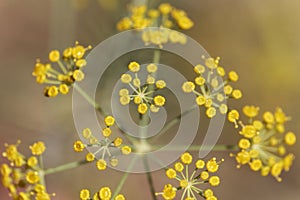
column 104, row 193
column 210, row 91
column 191, row 185
column 38, row 148
column 78, row 146
column 263, row 144
column 67, row 70
column 143, row 95
column 168, row 193
column 109, row 120
column 185, row 23
column 106, row 147
column 32, row 177
column 84, row 194
column 165, row 16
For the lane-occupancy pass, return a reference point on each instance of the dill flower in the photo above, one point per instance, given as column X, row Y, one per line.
column 210, row 91
column 104, row 193
column 105, row 147
column 143, row 95
column 264, row 142
column 22, row 176
column 165, row 16
column 67, row 70
column 190, row 184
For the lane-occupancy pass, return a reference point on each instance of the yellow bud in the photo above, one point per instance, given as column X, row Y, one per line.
column 171, row 173
column 78, row 146
column 126, row 78
column 101, row 164
column 106, row 132
column 54, row 56
column 233, row 76
column 105, row 193
column 126, row 150
column 90, row 157
column 188, row 87
column 151, row 68
column 109, row 120
column 290, row 138
column 159, row 100
column 214, row 181
column 186, row 158
column 199, row 69
column 142, row 108
column 160, row 84
column 134, row 66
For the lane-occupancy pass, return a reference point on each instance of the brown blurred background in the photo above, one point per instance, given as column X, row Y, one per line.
column 257, row 38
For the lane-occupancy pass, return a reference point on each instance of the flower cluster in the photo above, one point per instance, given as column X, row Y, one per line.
column 23, row 176
column 69, row 69
column 190, row 183
column 165, row 16
column 103, row 194
column 263, row 146
column 210, row 89
column 143, row 95
column 103, row 146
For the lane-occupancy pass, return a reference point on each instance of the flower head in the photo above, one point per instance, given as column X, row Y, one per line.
column 210, row 89
column 143, row 94
column 263, row 145
column 68, row 70
column 104, row 147
column 22, row 177
column 103, row 194
column 165, row 16
column 190, row 184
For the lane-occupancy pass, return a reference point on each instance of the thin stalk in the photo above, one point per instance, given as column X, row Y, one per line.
column 89, row 99
column 65, row 167
column 149, row 178
column 42, row 174
column 144, row 119
column 124, row 177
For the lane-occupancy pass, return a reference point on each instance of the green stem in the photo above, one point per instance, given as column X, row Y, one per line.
column 65, row 167
column 124, row 177
column 149, row 179
column 42, row 174
column 144, row 119
column 89, row 99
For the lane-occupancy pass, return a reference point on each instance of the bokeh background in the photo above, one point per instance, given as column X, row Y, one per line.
column 257, row 38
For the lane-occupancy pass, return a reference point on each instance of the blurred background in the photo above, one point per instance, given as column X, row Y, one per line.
column 257, row 38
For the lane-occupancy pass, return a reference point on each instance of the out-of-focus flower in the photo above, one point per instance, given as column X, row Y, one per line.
column 23, row 176
column 105, row 147
column 263, row 146
column 103, row 194
column 165, row 16
column 67, row 71
column 143, row 94
column 191, row 184
column 209, row 87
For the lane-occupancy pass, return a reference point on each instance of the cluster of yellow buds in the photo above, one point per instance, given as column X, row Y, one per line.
column 102, row 146
column 210, row 89
column 23, row 176
column 143, row 95
column 165, row 16
column 190, row 184
column 103, row 194
column 69, row 69
column 263, row 145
